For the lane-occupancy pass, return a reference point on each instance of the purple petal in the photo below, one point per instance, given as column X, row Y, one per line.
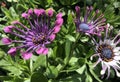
column 45, row 52
column 30, row 11
column 15, row 22
column 8, row 29
column 77, row 8
column 50, row 12
column 52, row 37
column 12, row 51
column 56, row 29
column 26, row 55
column 25, row 15
column 40, row 50
column 42, row 11
column 97, row 11
column 91, row 8
column 59, row 15
column 59, row 22
column 39, row 11
column 6, row 41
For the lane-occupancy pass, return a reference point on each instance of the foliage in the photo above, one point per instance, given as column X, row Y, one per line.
column 69, row 56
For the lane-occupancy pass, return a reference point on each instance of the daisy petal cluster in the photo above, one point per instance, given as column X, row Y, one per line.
column 108, row 52
column 92, row 23
column 34, row 38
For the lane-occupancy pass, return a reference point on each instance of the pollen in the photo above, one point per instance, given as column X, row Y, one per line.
column 39, row 39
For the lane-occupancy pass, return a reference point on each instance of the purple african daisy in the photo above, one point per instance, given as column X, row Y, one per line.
column 41, row 31
column 108, row 53
column 92, row 23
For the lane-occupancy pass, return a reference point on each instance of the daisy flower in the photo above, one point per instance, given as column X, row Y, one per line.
column 108, row 52
column 34, row 38
column 92, row 23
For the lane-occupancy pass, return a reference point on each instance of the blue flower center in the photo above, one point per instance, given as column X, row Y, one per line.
column 84, row 27
column 106, row 52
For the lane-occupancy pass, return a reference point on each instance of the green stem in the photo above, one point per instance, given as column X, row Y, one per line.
column 31, row 66
column 70, row 55
column 85, row 5
column 46, row 60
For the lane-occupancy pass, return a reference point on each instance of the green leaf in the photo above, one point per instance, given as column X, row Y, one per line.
column 2, row 54
column 10, row 14
column 50, row 1
column 84, row 39
column 6, row 11
column 70, row 37
column 70, row 17
column 6, row 78
column 73, row 61
column 67, row 51
column 89, row 53
column 81, row 61
column 13, row 70
column 73, row 78
column 93, row 73
column 88, row 78
column 81, row 70
column 52, row 72
column 37, row 77
column 41, row 61
column 116, row 4
column 13, row 13
column 27, row 80
column 67, row 47
column 17, row 79
column 68, row 2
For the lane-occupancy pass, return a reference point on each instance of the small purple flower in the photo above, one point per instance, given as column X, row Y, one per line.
column 91, row 23
column 108, row 52
column 35, row 38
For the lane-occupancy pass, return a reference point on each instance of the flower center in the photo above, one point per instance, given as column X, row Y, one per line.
column 39, row 39
column 84, row 27
column 106, row 52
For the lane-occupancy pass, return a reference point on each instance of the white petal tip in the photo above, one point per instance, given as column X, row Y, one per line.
column 102, row 72
column 91, row 58
column 118, row 74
